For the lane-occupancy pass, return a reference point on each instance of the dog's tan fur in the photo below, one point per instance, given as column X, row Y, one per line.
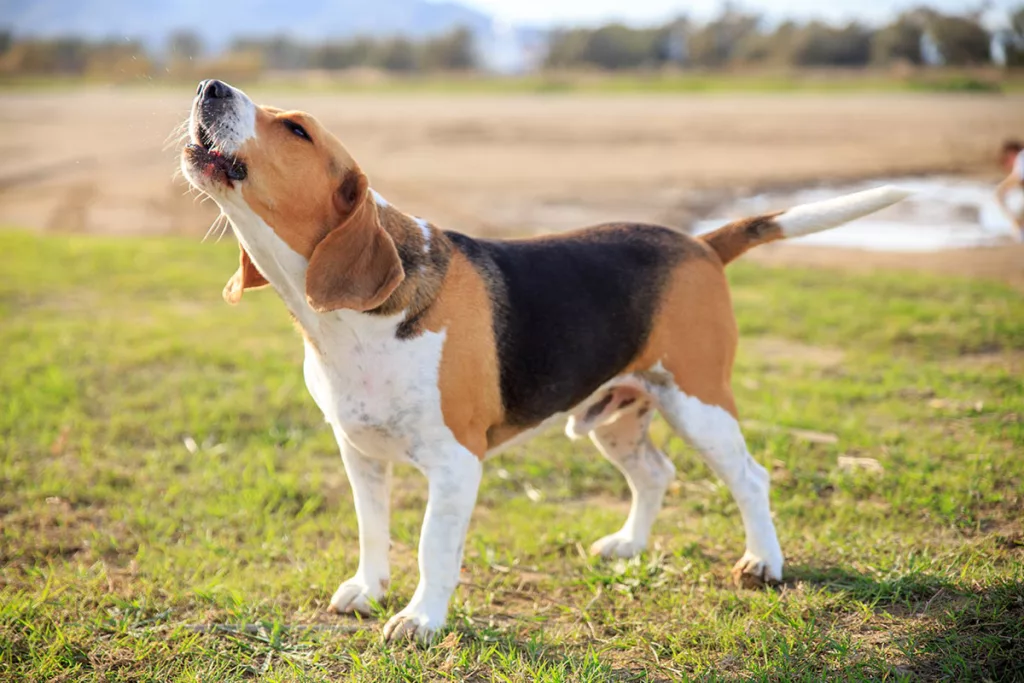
column 308, row 192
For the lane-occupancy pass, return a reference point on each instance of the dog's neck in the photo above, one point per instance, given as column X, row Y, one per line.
column 424, row 251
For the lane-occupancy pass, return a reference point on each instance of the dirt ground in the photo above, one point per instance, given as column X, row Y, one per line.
column 96, row 160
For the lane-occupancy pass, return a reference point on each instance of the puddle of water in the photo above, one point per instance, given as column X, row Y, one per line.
column 944, row 213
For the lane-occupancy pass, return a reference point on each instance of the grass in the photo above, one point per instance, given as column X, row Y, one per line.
column 665, row 83
column 809, row 81
column 172, row 506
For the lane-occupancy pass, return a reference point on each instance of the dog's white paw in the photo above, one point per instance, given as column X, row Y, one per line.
column 413, row 623
column 754, row 572
column 357, row 595
column 617, row 545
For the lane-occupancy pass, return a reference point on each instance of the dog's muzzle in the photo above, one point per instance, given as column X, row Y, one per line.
column 212, row 112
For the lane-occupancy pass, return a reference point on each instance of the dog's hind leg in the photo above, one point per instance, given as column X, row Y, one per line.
column 624, row 441
column 711, row 428
column 687, row 368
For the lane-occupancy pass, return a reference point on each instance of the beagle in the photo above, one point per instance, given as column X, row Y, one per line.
column 433, row 348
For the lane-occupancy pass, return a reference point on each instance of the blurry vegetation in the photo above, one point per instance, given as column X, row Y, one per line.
column 452, row 52
column 822, row 45
column 74, row 56
column 185, row 45
column 898, row 42
column 961, row 41
column 739, row 38
column 185, row 55
column 614, row 46
column 715, row 44
column 1013, row 39
column 917, row 37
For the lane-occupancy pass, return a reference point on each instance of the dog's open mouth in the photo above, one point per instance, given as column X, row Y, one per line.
column 209, row 161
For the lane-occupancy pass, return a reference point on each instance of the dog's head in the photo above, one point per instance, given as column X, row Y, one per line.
column 286, row 169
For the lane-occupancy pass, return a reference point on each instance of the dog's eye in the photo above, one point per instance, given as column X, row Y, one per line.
column 297, row 129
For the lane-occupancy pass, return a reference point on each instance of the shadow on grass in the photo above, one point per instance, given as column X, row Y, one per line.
column 548, row 661
column 945, row 630
column 923, row 627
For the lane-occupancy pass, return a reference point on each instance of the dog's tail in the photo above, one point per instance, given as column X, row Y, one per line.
column 731, row 240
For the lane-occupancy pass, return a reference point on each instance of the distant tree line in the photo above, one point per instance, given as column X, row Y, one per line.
column 72, row 56
column 453, row 51
column 733, row 39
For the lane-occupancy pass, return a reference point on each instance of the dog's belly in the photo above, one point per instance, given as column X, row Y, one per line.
column 382, row 399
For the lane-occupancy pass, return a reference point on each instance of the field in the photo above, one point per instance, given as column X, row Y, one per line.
column 97, row 160
column 175, row 509
column 94, row 160
column 172, row 506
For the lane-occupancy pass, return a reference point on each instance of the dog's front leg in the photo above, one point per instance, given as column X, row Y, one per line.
column 453, row 477
column 371, row 489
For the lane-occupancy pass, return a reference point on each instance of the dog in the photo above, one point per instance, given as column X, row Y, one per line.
column 429, row 347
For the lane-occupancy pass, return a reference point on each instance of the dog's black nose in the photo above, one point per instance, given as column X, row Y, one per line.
column 213, row 89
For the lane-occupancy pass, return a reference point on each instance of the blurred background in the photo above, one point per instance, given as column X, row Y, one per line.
column 501, row 117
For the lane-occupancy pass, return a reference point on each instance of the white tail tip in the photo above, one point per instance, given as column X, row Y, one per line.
column 831, row 213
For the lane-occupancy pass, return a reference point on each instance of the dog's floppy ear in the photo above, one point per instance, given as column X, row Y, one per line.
column 246, row 277
column 357, row 265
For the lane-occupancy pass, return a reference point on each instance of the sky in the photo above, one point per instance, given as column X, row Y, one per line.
column 562, row 12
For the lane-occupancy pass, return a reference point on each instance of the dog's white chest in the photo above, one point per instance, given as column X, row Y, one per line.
column 379, row 392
